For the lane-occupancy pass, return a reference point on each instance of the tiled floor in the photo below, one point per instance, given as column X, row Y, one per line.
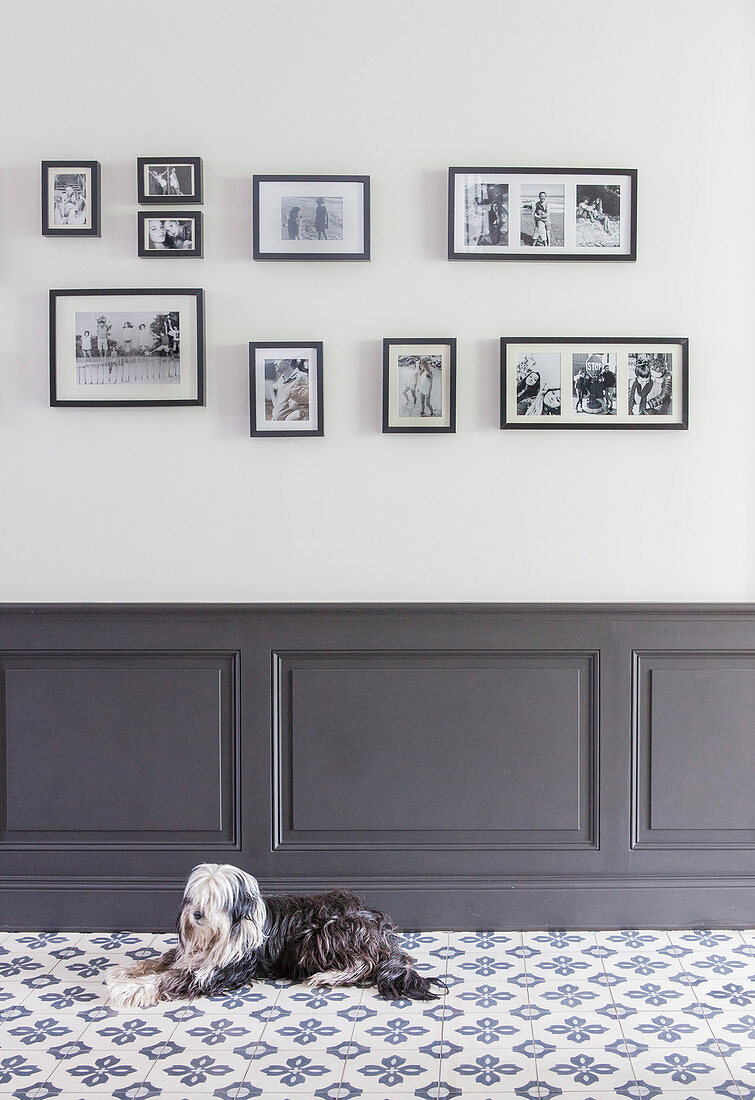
column 634, row 1014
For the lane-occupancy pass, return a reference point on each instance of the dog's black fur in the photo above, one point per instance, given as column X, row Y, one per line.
column 332, row 937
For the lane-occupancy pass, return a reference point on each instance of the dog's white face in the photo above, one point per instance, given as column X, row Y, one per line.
column 222, row 917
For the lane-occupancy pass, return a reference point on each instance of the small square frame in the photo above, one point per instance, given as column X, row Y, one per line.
column 143, row 196
column 418, row 427
column 280, row 345
column 145, row 216
column 259, row 252
column 622, row 419
column 93, row 168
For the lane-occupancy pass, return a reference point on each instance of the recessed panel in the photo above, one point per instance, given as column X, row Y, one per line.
column 112, row 750
column 703, row 749
column 447, row 749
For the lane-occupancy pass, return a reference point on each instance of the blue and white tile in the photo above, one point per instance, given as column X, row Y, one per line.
column 392, row 1072
column 576, row 1070
column 100, row 1070
column 39, row 1031
column 297, row 1072
column 684, row 1068
column 580, row 1030
column 495, row 1071
column 129, row 1032
column 65, row 998
column 396, row 1031
column 201, row 1071
column 660, row 1029
column 217, row 1033
column 485, row 1030
column 19, row 1066
column 300, row 999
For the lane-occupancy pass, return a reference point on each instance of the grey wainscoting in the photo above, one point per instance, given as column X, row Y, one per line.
column 462, row 766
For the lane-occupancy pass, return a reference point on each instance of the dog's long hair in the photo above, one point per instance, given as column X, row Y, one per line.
column 228, row 936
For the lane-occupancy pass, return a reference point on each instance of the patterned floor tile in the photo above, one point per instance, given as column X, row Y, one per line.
column 98, row 1069
column 397, row 1073
column 682, row 1069
column 577, row 1029
column 295, row 1072
column 19, row 1066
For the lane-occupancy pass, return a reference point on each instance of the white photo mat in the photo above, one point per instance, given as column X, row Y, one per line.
column 516, row 351
column 541, row 182
column 285, row 352
column 269, row 214
column 395, row 420
column 66, row 386
column 52, row 172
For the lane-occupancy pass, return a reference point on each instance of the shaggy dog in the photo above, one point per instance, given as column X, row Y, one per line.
column 229, row 936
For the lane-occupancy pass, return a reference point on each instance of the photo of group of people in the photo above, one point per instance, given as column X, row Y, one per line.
column 420, row 385
column 70, row 200
column 127, row 347
column 616, row 384
column 306, row 218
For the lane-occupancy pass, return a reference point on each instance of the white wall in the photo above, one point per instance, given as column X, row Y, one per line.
column 180, row 504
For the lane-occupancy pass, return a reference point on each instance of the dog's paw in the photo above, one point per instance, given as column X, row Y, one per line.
column 117, row 974
column 128, row 992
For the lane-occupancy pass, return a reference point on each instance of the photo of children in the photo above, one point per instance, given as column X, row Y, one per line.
column 594, row 383
column 118, row 348
column 169, row 179
column 169, row 234
column 420, row 385
column 542, row 215
column 309, row 218
column 70, row 205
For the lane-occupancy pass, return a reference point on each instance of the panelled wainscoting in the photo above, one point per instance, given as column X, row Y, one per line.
column 463, row 766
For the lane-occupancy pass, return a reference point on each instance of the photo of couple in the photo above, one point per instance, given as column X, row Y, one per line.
column 650, row 385
column 538, row 384
column 598, row 215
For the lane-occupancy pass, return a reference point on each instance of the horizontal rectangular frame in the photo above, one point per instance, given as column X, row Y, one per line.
column 163, row 658
column 96, row 198
column 286, row 838
column 254, row 431
column 195, row 253
column 257, row 254
column 642, row 424
column 548, row 257
column 196, row 293
column 418, row 341
column 157, row 200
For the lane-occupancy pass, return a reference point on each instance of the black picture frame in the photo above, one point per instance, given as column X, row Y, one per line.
column 143, row 195
column 56, row 298
column 70, row 166
column 509, row 253
column 145, row 216
column 288, row 433
column 622, row 420
column 419, row 428
column 261, row 253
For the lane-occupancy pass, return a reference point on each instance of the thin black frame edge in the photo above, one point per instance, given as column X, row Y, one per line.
column 630, row 256
column 325, row 257
column 388, row 341
column 196, row 292
column 145, row 254
column 96, row 170
column 155, row 200
column 681, row 341
column 319, row 431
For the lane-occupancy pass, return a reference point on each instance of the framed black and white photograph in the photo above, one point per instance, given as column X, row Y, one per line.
column 608, row 382
column 542, row 214
column 70, row 198
column 169, row 233
column 285, row 388
column 419, row 385
column 311, row 217
column 168, row 180
column 126, row 347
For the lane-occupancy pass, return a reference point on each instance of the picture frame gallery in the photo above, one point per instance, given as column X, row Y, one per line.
column 542, row 214
column 594, row 383
column 310, row 217
column 112, row 348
